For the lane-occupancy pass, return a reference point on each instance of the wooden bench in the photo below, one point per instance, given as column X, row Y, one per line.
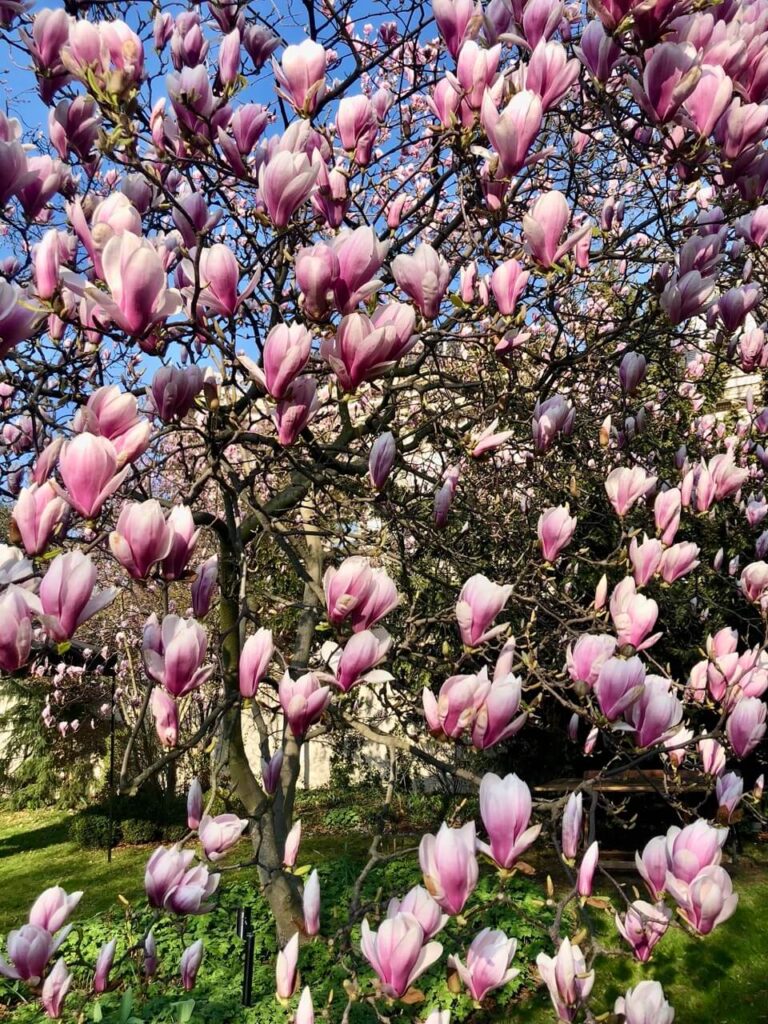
column 629, row 783
column 635, row 781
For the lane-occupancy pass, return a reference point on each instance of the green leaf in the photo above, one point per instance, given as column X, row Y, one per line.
column 185, row 1010
column 126, row 1005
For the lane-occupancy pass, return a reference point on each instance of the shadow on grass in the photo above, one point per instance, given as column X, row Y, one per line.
column 34, row 839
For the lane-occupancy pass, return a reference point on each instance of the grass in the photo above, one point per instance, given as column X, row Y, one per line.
column 720, row 979
column 35, row 853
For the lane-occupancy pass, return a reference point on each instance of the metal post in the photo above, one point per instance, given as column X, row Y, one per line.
column 250, row 942
column 111, row 769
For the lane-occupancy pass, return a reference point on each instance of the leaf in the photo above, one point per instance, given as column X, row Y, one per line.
column 126, row 1005
column 412, row 997
column 185, row 1010
column 598, row 902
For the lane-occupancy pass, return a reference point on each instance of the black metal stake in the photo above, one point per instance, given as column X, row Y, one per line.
column 243, row 921
column 110, row 841
column 250, row 942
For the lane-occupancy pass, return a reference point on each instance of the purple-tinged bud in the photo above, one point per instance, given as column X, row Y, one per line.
column 191, row 959
column 104, row 966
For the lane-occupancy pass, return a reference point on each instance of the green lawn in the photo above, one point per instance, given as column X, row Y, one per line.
column 718, row 980
column 35, row 853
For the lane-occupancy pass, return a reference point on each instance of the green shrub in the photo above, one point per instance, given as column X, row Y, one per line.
column 90, row 829
column 136, row 831
column 139, row 819
column 173, row 832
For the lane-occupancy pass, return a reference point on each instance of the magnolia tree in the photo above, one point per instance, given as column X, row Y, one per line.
column 371, row 334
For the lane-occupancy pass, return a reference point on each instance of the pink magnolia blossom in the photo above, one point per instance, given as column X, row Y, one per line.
column 573, row 817
column 555, row 529
column 16, row 611
column 204, row 586
column 746, row 725
column 194, row 804
column 286, row 969
column 457, row 704
column 480, row 601
column 508, row 282
column 362, row 653
column 567, row 979
column 642, row 926
column 505, row 807
column 37, row 513
column 285, row 183
column 645, row 558
column 173, row 391
column 286, row 353
column 456, row 21
column 652, row 866
column 174, row 653
column 418, row 902
column 397, row 953
column 303, row 701
column 311, row 904
column 113, row 414
column 141, row 538
column 362, row 351
column 551, row 417
column 67, row 595
column 449, row 865
column 666, row 512
column 104, row 963
column 488, row 960
column 183, row 540
column 295, row 409
column 619, row 684
column 359, row 593
column 138, row 297
column 754, row 582
column 656, row 713
column 678, row 560
column 625, row 486
column 301, row 75
column 634, row 615
column 255, row 657
column 544, row 225
column 55, row 988
column 586, row 657
column 292, row 843
column 512, row 130
column 497, row 717
column 218, row 835
column 693, row 848
column 382, row 459
column 357, row 127
column 707, row 900
column 644, row 1004
column 189, row 965
column 424, row 277
column 270, row 772
column 53, row 908
column 89, row 471
column 165, row 712
column 30, row 948
column 586, row 872
column 729, row 790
